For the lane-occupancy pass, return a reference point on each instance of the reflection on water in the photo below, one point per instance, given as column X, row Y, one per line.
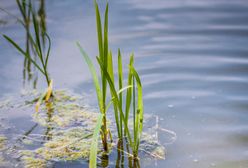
column 192, row 56
column 50, row 112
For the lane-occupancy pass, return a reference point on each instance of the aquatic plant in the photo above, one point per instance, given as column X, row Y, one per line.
column 137, row 117
column 35, row 40
column 94, row 143
column 25, row 10
column 103, row 55
column 107, row 79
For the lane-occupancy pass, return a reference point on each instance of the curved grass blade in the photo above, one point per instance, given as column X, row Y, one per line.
column 94, row 144
column 48, row 51
column 94, row 75
column 23, row 53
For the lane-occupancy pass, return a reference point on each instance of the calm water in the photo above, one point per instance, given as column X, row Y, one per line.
column 192, row 56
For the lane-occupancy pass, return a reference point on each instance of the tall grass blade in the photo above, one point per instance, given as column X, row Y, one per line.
column 120, row 74
column 111, row 74
column 129, row 91
column 94, row 143
column 37, row 33
column 105, row 49
column 139, row 115
column 99, row 30
column 94, row 75
column 134, row 115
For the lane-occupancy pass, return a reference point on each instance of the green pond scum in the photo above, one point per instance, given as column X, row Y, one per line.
column 65, row 132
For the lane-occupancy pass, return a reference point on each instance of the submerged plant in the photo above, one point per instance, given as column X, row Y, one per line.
column 107, row 80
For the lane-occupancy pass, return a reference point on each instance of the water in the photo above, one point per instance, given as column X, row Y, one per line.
column 192, row 57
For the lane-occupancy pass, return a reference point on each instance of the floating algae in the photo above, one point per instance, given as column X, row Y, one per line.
column 2, row 142
column 68, row 126
column 2, row 148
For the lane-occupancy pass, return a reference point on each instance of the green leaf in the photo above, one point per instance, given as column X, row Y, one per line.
column 106, row 36
column 129, row 91
column 94, row 75
column 48, row 51
column 99, row 30
column 23, row 53
column 94, row 143
column 140, row 108
column 111, row 74
column 37, row 34
column 120, row 74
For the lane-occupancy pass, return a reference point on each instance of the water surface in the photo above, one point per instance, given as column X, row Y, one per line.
column 192, row 57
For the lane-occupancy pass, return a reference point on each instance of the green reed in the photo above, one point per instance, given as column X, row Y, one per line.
column 133, row 135
column 103, row 55
column 25, row 11
column 133, row 89
column 35, row 40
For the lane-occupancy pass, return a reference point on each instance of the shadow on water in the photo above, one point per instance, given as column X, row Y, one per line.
column 50, row 112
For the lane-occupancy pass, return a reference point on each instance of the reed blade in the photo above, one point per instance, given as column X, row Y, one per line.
column 111, row 74
column 94, row 75
column 23, row 53
column 48, row 51
column 37, row 32
column 140, row 107
column 129, row 91
column 94, row 143
column 120, row 74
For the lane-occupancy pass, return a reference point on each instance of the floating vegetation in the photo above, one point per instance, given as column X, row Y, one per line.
column 2, row 142
column 31, row 162
column 65, row 131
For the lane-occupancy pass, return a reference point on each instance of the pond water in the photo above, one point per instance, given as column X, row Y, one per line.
column 192, row 56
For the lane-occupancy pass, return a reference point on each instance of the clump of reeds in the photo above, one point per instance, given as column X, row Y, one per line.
column 134, row 100
column 35, row 38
